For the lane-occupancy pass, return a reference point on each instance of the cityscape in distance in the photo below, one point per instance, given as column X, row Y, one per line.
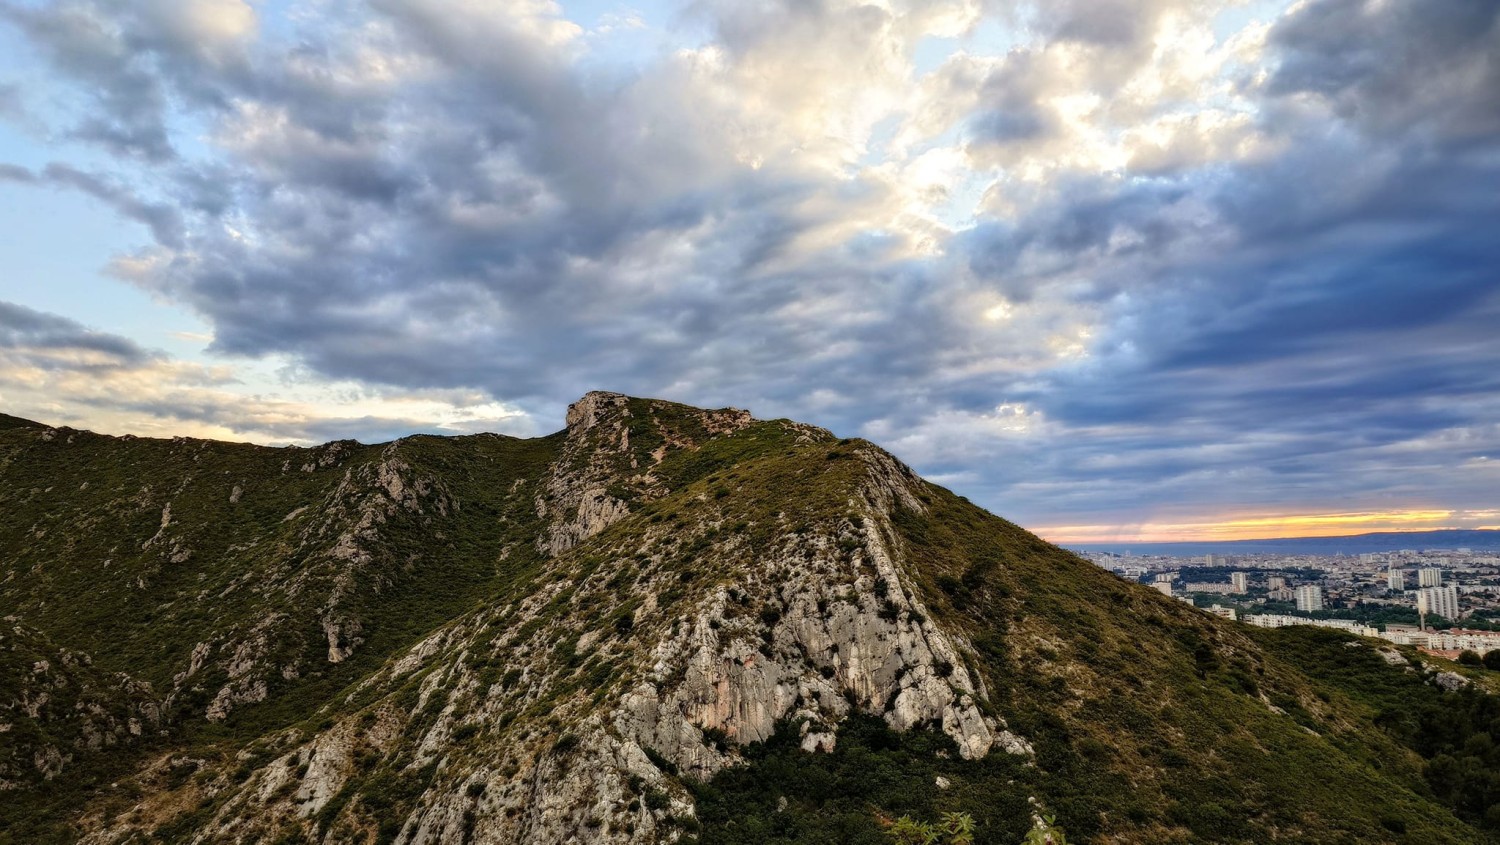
column 1440, row 591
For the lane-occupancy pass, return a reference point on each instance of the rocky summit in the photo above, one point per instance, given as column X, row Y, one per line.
column 662, row 624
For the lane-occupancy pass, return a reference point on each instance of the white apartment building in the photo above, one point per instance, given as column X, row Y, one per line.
column 1309, row 598
column 1477, row 641
column 1395, row 580
column 1429, row 577
column 1437, row 601
column 1240, row 582
column 1280, row 620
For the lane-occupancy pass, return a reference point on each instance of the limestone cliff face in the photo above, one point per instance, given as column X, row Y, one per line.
column 582, row 494
column 838, row 627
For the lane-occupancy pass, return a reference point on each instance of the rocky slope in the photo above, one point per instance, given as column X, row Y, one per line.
column 589, row 637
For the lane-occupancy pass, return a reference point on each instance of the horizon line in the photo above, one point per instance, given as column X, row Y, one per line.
column 1138, row 540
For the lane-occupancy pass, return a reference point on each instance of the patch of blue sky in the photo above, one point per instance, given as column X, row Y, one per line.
column 932, row 51
column 994, row 36
column 877, row 146
column 596, row 14
column 1235, row 18
column 965, row 199
column 56, row 247
column 23, row 85
column 58, row 242
column 288, row 19
column 620, row 34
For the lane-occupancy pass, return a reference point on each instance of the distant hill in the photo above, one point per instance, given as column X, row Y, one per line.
column 662, row 624
column 1385, row 541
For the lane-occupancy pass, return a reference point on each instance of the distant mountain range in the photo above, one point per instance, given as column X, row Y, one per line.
column 1384, row 541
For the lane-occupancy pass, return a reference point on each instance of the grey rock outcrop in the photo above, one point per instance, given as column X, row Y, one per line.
column 578, row 499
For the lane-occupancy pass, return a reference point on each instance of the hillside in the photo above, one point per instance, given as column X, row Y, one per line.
column 662, row 624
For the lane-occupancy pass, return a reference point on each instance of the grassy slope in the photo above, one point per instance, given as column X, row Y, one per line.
column 76, row 508
column 1152, row 722
column 1141, row 737
column 1457, row 732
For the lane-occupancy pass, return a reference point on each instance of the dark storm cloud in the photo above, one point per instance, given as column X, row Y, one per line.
column 499, row 219
column 1395, row 66
column 11, row 105
column 25, row 330
column 129, row 104
column 163, row 220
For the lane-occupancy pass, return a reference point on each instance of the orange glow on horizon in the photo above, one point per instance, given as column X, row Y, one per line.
column 1260, row 527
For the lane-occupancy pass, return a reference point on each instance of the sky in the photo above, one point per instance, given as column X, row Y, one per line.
column 1114, row 269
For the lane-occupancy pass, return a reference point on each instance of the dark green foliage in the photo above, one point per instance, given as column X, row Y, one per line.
column 657, row 799
column 834, row 798
column 716, row 738
column 661, row 762
column 1456, row 733
column 1113, row 685
column 78, row 514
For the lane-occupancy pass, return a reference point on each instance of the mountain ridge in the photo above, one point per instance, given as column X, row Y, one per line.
column 590, row 636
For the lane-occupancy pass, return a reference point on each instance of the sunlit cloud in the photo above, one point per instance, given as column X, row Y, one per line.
column 1291, row 525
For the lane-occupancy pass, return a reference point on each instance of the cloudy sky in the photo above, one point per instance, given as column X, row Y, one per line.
column 1111, row 268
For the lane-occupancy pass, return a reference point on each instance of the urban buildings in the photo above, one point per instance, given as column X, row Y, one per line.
column 1309, row 598
column 1453, row 642
column 1437, row 601
column 1277, row 620
column 1379, row 589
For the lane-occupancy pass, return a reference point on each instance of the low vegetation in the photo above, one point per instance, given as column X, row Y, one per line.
column 220, row 609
